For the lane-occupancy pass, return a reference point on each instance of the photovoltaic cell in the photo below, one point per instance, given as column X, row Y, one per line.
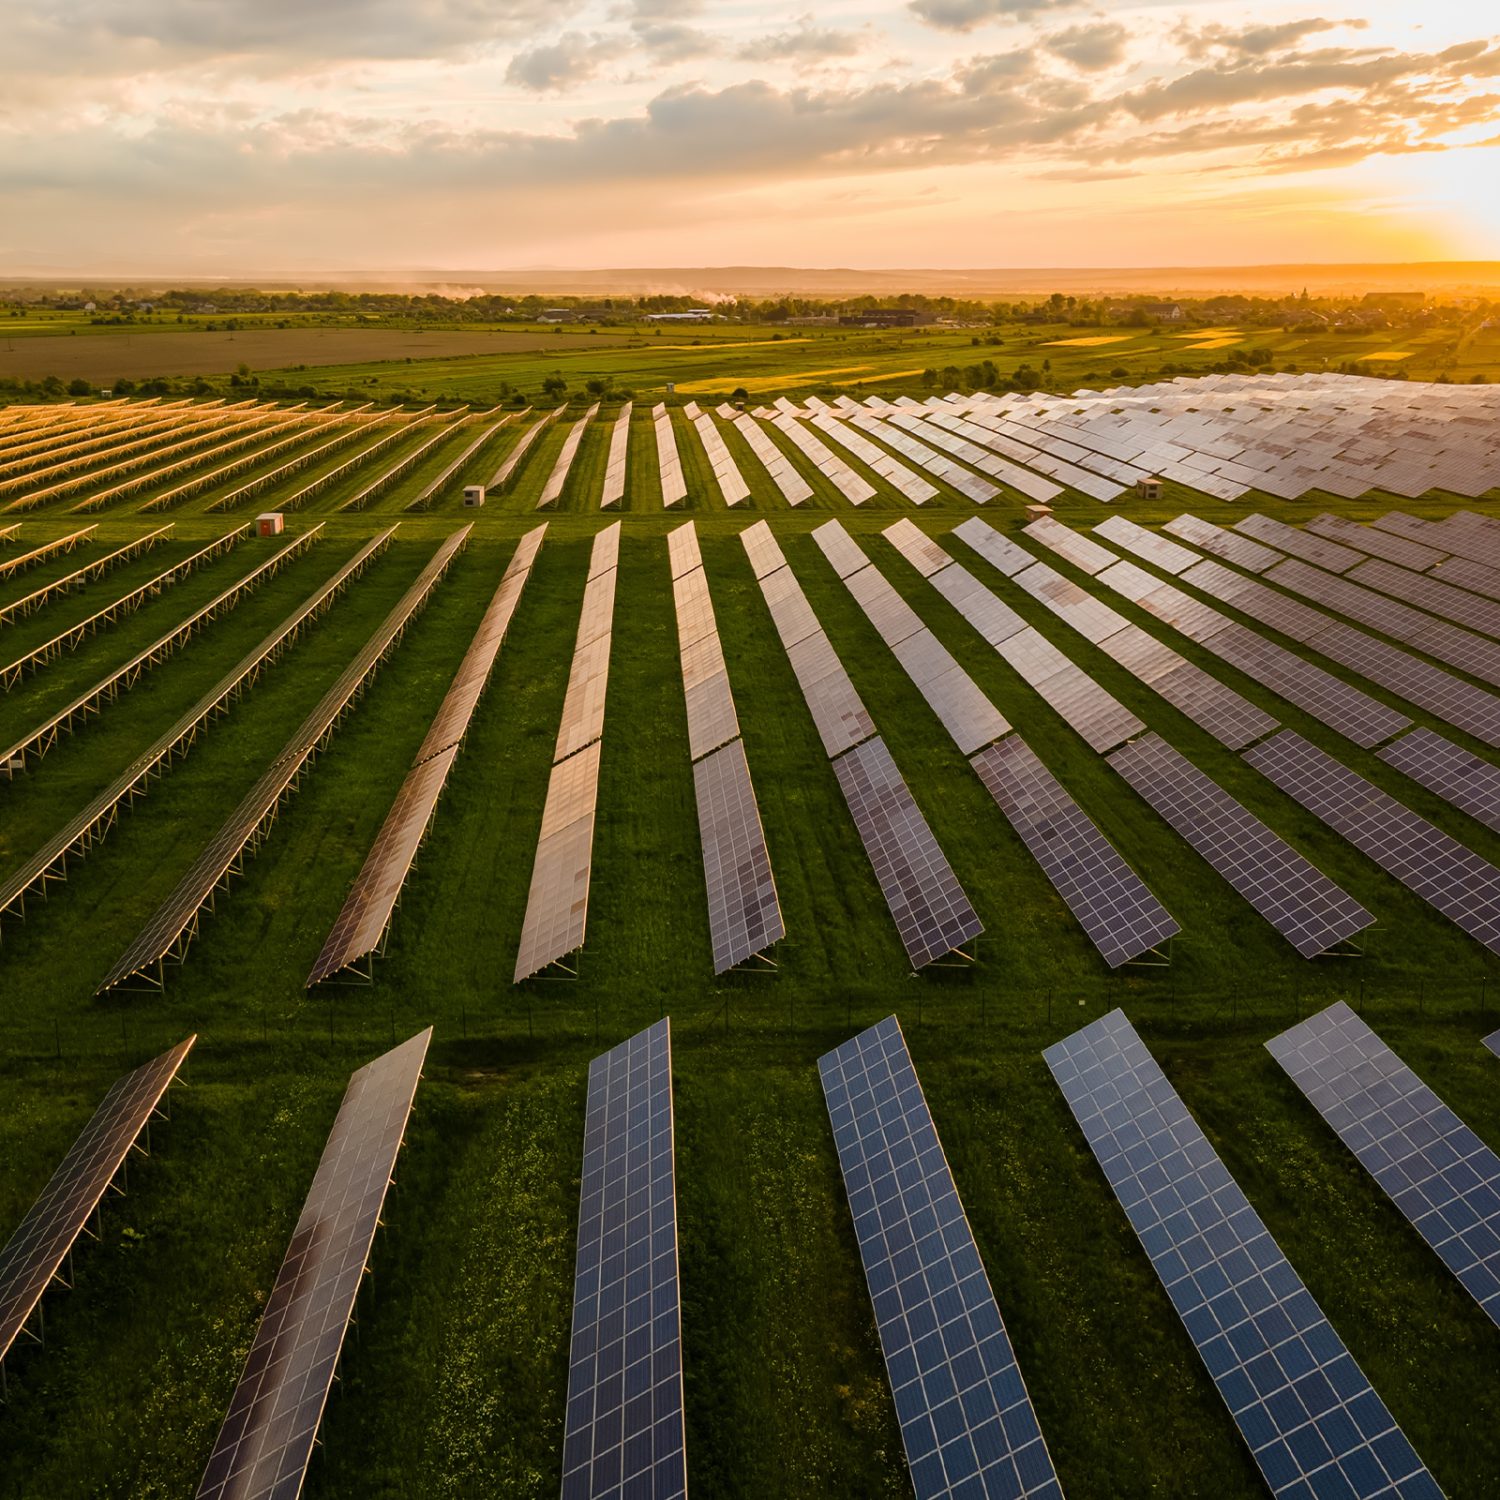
column 1118, row 913
column 1429, row 1163
column 1445, row 874
column 931, row 912
column 35, row 1253
column 966, row 1418
column 1298, row 900
column 744, row 915
column 267, row 1438
column 1455, row 774
column 1305, row 1409
column 623, row 1432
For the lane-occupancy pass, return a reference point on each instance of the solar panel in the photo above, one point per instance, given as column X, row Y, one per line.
column 1239, row 550
column 763, row 550
column 35, row 1253
column 1455, row 774
column 682, row 550
column 1396, row 549
column 1428, row 1162
column 264, row 1446
column 885, row 609
column 1431, row 594
column 1309, row 547
column 1112, row 904
column 1155, row 548
column 1329, row 699
column 557, row 901
column 931, row 912
column 966, row 1418
column 1311, row 1420
column 1445, row 874
column 711, row 718
column 1099, row 717
column 790, row 612
column 997, row 550
column 623, row 1430
column 1312, row 913
column 1085, row 555
column 1492, row 1041
column 841, row 550
column 744, row 915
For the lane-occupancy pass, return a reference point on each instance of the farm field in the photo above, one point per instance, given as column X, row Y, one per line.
column 701, row 359
column 454, row 1383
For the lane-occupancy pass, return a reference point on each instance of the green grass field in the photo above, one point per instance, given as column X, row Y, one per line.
column 454, row 1382
column 701, row 360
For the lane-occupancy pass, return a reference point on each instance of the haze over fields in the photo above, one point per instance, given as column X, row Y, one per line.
column 386, row 140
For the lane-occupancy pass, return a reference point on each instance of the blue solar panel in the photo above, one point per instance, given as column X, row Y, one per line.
column 1310, row 1417
column 1431, row 1165
column 966, row 1418
column 623, row 1435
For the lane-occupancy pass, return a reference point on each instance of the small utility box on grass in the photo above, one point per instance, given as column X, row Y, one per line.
column 1036, row 512
column 1148, row 489
column 473, row 494
column 270, row 523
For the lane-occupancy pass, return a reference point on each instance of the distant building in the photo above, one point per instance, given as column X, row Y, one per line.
column 692, row 315
column 884, row 317
column 557, row 315
column 1167, row 312
column 1395, row 299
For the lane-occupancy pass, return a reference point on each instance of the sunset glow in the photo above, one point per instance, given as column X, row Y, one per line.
column 349, row 136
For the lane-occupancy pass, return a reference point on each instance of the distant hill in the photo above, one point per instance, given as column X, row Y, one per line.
column 1453, row 278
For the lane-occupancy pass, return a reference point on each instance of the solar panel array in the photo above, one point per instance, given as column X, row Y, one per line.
column 35, row 1253
column 37, row 741
column 1226, row 435
column 524, row 444
column 1100, row 718
column 853, row 487
column 89, row 826
column 558, row 899
column 623, row 1433
column 794, row 488
column 118, row 608
column 668, row 460
column 1307, row 908
column 614, row 466
column 1447, row 697
column 1377, row 543
column 1443, row 872
column 931, row 912
column 743, row 910
column 1310, row 1418
column 908, row 445
column 966, row 1418
column 1428, row 1162
column 1455, row 774
column 552, row 490
column 968, row 716
column 95, row 568
column 1111, row 903
column 895, row 473
column 266, row 1442
column 726, row 471
column 169, row 931
column 360, row 928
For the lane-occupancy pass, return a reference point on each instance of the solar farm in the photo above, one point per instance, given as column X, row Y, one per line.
column 872, row 947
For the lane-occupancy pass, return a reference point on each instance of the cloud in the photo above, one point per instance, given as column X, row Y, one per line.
column 1092, row 47
column 965, row 15
column 1255, row 41
column 293, row 33
column 806, row 44
column 564, row 64
column 668, row 41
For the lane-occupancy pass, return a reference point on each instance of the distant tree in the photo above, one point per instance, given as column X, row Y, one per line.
column 554, row 387
column 80, row 387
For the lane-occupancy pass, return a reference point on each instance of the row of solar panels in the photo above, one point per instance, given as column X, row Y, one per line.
column 1305, row 1409
column 1280, row 435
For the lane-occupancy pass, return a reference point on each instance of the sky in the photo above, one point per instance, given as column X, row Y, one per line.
column 314, row 137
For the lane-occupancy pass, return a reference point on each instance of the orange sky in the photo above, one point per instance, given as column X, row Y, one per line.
column 160, row 136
